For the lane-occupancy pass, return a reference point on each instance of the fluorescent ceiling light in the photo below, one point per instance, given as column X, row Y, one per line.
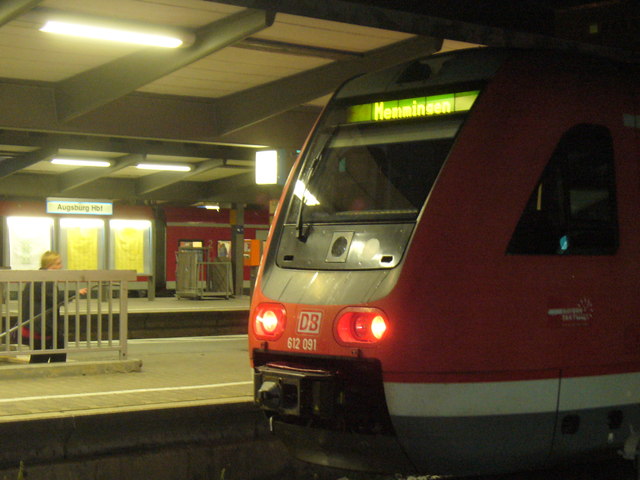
column 78, row 162
column 114, row 34
column 164, row 166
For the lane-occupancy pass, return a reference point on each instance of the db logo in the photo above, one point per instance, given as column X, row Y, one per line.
column 309, row 322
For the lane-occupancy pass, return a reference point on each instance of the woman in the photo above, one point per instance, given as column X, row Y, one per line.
column 49, row 261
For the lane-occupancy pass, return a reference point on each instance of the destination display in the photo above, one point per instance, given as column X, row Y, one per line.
column 409, row 108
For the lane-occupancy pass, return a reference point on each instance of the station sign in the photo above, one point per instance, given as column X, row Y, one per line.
column 71, row 206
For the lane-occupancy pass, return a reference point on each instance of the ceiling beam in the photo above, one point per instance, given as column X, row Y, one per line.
column 524, row 15
column 497, row 23
column 140, row 123
column 156, row 181
column 91, row 89
column 274, row 46
column 240, row 189
column 101, row 143
column 10, row 9
column 9, row 166
column 225, row 186
column 81, row 176
column 416, row 17
column 249, row 106
column 39, row 186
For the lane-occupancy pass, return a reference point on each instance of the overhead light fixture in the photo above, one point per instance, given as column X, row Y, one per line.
column 171, row 167
column 207, row 205
column 81, row 162
column 266, row 167
column 270, row 167
column 100, row 30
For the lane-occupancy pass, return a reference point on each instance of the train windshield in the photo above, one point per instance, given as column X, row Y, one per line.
column 376, row 162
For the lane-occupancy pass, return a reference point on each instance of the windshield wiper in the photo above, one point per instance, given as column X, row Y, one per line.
column 302, row 232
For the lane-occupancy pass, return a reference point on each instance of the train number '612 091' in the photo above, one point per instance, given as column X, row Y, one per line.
column 306, row 344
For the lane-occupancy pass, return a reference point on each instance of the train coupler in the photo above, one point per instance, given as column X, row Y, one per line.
column 295, row 392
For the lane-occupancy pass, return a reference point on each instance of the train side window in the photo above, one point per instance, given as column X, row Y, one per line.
column 572, row 210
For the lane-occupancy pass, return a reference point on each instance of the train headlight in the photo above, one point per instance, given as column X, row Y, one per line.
column 378, row 327
column 361, row 326
column 269, row 320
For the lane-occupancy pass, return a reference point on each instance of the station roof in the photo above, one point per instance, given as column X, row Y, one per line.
column 256, row 75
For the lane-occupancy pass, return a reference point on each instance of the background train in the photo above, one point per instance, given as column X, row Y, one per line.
column 451, row 281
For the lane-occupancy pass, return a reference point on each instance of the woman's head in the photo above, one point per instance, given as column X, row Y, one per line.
column 51, row 261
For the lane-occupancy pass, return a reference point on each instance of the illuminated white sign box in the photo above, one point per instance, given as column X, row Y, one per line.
column 270, row 167
column 70, row 206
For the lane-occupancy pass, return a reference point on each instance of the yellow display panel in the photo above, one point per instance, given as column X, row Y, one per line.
column 82, row 248
column 82, row 243
column 129, row 249
column 131, row 245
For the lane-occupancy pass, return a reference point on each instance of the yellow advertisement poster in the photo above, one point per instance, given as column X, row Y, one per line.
column 82, row 248
column 129, row 249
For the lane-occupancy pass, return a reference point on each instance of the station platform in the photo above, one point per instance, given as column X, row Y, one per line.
column 185, row 411
column 171, row 370
column 160, row 373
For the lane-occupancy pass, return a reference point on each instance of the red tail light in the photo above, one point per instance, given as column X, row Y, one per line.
column 269, row 320
column 361, row 326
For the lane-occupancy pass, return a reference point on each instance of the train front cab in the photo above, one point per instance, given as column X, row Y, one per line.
column 507, row 273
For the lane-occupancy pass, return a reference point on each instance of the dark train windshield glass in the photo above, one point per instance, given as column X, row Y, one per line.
column 368, row 171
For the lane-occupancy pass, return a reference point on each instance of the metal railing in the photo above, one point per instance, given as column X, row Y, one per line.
column 41, row 311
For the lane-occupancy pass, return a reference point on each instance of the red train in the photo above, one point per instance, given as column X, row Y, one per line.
column 451, row 284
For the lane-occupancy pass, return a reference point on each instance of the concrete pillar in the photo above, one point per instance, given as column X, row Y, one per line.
column 159, row 280
column 237, row 249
